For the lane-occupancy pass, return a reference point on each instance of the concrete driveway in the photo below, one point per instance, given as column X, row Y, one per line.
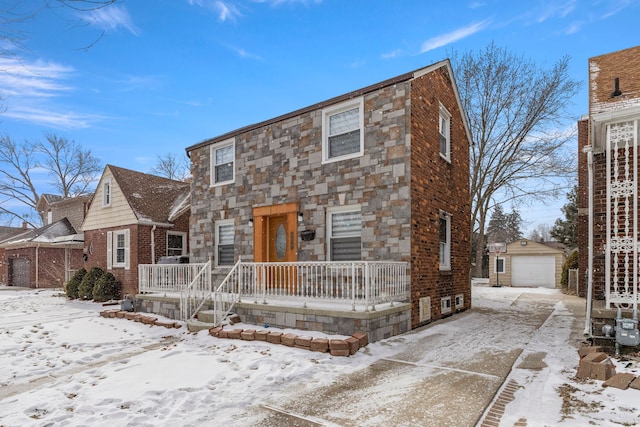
column 457, row 375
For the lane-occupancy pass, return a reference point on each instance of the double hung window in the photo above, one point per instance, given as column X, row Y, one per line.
column 224, row 242
column 445, row 133
column 345, row 234
column 445, row 241
column 343, row 131
column 223, row 163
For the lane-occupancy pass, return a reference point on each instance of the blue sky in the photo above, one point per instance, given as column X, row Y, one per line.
column 144, row 78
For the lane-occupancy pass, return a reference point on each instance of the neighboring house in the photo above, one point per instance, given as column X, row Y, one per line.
column 135, row 218
column 378, row 174
column 5, row 233
column 528, row 263
column 608, row 209
column 53, row 208
column 45, row 257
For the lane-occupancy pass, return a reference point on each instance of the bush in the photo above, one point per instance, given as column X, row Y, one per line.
column 71, row 288
column 570, row 263
column 85, row 291
column 106, row 288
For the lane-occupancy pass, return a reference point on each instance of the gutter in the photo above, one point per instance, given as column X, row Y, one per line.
column 153, row 244
column 588, row 150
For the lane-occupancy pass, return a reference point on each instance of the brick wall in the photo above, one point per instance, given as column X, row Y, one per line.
column 49, row 271
column 603, row 69
column 139, row 249
column 583, row 205
column 436, row 185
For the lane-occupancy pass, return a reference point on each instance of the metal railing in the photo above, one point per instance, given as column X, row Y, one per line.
column 166, row 278
column 362, row 284
column 197, row 293
column 357, row 283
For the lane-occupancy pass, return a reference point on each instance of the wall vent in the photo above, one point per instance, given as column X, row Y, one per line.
column 425, row 309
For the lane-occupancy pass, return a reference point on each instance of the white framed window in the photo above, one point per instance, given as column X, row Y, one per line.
column 106, row 192
column 223, row 159
column 343, row 131
column 224, row 247
column 445, row 305
column 499, row 265
column 445, row 133
column 176, row 243
column 118, row 250
column 445, row 241
column 344, row 233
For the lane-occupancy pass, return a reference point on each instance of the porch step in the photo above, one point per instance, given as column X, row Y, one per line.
column 194, row 325
column 206, row 316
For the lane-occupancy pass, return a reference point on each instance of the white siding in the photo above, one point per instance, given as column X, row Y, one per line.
column 117, row 214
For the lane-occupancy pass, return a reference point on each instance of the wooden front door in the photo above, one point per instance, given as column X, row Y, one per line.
column 275, row 234
column 279, row 246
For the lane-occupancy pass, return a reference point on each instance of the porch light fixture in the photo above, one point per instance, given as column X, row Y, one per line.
column 300, row 217
column 250, row 222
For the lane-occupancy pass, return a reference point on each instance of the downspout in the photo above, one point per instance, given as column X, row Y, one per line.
column 587, row 325
column 37, row 266
column 153, row 244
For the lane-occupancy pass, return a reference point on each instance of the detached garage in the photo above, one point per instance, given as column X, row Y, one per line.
column 528, row 263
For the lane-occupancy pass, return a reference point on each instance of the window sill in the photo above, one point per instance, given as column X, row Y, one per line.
column 345, row 157
column 220, row 184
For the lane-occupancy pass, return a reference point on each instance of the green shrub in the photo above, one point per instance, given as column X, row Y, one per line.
column 106, row 288
column 570, row 263
column 71, row 288
column 85, row 291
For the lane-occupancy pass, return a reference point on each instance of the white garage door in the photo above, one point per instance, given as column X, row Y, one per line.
column 533, row 271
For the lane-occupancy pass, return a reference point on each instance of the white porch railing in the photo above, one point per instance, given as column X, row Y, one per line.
column 357, row 284
column 196, row 293
column 166, row 278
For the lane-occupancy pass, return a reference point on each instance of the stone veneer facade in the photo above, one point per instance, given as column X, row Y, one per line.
column 401, row 183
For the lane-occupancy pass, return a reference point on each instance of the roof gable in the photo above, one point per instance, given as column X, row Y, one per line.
column 136, row 198
column 152, row 198
column 532, row 246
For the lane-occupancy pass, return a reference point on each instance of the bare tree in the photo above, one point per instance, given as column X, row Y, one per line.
column 172, row 167
column 516, row 113
column 542, row 233
column 72, row 171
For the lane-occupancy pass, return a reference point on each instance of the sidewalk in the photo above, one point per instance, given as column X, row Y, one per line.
column 459, row 374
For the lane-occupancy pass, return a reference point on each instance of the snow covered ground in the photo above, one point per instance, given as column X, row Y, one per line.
column 62, row 364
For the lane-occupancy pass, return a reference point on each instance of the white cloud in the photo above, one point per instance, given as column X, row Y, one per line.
column 555, row 8
column 33, row 79
column 393, row 54
column 110, row 18
column 47, row 117
column 460, row 33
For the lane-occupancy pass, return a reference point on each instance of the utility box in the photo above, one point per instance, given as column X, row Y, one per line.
column 126, row 304
column 627, row 333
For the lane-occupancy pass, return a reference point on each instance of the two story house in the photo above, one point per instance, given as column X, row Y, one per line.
column 608, row 221
column 377, row 174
